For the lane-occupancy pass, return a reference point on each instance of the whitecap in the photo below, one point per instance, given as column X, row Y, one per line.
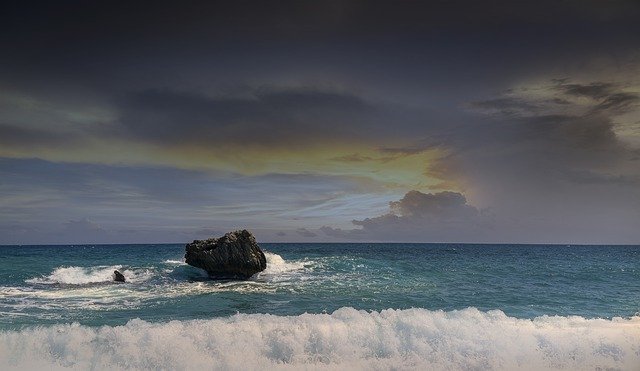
column 279, row 269
column 87, row 275
column 346, row 339
column 175, row 262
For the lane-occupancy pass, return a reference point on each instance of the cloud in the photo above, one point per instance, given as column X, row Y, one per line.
column 265, row 116
column 421, row 217
column 505, row 106
column 557, row 167
column 443, row 205
column 82, row 226
column 591, row 177
column 594, row 90
column 181, row 204
column 353, row 157
column 206, row 115
column 560, row 97
column 253, row 131
column 305, row 233
column 13, row 135
column 610, row 97
column 555, row 119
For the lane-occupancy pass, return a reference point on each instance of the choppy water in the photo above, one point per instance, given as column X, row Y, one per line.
column 323, row 306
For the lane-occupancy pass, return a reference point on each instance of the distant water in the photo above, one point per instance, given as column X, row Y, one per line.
column 328, row 306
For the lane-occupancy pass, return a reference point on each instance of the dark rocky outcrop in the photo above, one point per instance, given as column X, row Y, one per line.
column 234, row 255
column 118, row 277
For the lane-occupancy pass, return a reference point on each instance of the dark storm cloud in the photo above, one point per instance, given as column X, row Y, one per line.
column 607, row 98
column 562, row 124
column 266, row 116
column 556, row 172
column 13, row 135
column 567, row 134
column 594, row 90
column 553, row 158
column 609, row 95
column 442, row 217
column 445, row 205
column 162, row 63
column 114, row 47
column 619, row 101
column 590, row 177
column 505, row 106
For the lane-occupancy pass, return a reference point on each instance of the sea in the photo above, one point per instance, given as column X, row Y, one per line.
column 323, row 307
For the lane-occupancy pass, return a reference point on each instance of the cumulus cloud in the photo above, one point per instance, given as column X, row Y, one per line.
column 422, row 217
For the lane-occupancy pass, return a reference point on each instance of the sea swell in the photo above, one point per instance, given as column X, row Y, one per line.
column 344, row 339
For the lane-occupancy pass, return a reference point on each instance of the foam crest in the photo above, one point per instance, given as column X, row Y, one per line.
column 88, row 275
column 345, row 339
column 175, row 262
column 276, row 265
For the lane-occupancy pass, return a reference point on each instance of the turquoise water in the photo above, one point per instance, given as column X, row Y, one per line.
column 46, row 289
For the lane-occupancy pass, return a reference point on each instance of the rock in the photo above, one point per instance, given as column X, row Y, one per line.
column 234, row 255
column 118, row 277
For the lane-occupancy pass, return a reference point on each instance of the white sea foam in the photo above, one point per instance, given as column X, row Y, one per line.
column 86, row 275
column 175, row 262
column 277, row 266
column 80, row 288
column 347, row 339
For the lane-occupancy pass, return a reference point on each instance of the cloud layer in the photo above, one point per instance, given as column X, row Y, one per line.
column 501, row 122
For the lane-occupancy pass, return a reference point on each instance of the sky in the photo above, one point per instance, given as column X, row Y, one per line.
column 320, row 121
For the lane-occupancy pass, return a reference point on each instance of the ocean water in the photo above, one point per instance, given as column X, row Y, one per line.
column 323, row 306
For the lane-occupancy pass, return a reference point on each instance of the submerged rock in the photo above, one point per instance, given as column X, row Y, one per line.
column 234, row 255
column 117, row 276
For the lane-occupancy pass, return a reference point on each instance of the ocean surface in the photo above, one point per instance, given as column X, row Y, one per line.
column 323, row 306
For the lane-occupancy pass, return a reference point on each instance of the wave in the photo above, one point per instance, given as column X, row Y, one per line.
column 92, row 288
column 276, row 265
column 175, row 262
column 88, row 275
column 345, row 339
column 277, row 269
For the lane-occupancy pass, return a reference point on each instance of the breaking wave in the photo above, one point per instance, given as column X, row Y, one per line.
column 345, row 339
column 175, row 262
column 89, row 275
column 276, row 265
column 92, row 288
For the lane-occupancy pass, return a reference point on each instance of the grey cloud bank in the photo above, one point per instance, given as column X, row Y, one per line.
column 439, row 217
column 334, row 120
